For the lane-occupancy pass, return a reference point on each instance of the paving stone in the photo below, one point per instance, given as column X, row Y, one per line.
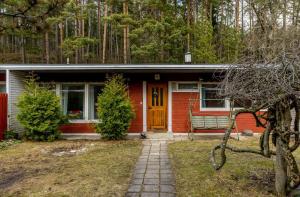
column 151, row 181
column 163, row 171
column 162, row 194
column 167, row 188
column 153, row 167
column 152, row 171
column 130, row 194
column 137, row 181
column 143, row 166
column 138, row 176
column 150, row 194
column 153, row 162
column 139, row 171
column 150, row 188
column 135, row 188
column 167, row 181
column 152, row 176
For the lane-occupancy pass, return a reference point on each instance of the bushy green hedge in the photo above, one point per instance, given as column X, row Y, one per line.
column 114, row 109
column 40, row 112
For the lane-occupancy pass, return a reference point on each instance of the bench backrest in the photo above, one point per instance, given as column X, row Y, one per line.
column 210, row 122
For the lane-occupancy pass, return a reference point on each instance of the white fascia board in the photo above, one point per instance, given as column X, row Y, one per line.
column 108, row 67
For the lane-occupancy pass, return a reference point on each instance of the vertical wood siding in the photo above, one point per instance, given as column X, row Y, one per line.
column 16, row 87
column 3, row 115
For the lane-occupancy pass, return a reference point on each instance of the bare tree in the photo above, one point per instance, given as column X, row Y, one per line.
column 268, row 75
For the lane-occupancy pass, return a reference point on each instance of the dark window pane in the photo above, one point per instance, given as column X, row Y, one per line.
column 73, row 101
column 161, row 97
column 210, row 97
column 187, row 86
column 94, row 92
column 2, row 88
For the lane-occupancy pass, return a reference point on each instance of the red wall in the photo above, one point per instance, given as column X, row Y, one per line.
column 180, row 114
column 136, row 96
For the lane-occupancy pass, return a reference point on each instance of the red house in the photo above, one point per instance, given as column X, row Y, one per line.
column 165, row 97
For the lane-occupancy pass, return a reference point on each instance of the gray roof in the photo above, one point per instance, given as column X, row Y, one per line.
column 114, row 67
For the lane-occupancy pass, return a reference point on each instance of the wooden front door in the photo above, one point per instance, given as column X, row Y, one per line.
column 157, row 106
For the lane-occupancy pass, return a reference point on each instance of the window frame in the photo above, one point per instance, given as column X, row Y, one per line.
column 86, row 99
column 226, row 100
column 186, row 90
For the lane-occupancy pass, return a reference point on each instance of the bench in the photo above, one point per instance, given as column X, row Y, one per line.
column 208, row 122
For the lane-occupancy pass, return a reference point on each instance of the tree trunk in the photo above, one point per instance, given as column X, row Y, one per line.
column 47, row 56
column 104, row 34
column 237, row 14
column 188, row 24
column 61, row 41
column 99, row 27
column 125, row 32
column 280, row 170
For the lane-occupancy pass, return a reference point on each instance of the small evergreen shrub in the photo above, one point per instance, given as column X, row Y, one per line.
column 114, row 109
column 40, row 112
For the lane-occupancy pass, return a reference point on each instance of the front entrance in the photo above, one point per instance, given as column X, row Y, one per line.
column 157, row 106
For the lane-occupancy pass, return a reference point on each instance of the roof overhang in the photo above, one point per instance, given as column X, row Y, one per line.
column 116, row 67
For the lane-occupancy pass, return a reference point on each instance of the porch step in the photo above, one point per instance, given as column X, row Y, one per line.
column 160, row 136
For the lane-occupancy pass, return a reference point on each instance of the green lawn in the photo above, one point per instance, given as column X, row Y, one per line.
column 243, row 175
column 53, row 169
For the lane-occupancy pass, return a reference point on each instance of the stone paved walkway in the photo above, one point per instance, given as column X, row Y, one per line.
column 153, row 176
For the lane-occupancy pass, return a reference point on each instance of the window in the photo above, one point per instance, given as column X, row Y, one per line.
column 2, row 88
column 94, row 91
column 210, row 98
column 73, row 101
column 185, row 86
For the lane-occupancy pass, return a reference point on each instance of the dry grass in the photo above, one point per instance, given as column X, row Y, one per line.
column 33, row 169
column 243, row 174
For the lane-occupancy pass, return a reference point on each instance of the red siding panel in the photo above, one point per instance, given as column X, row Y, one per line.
column 180, row 114
column 78, row 128
column 136, row 96
column 3, row 115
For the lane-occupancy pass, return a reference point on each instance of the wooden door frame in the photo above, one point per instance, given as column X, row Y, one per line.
column 166, row 85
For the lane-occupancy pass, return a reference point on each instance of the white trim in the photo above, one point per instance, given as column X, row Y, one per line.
column 86, row 101
column 186, row 90
column 144, row 106
column 110, row 67
column 170, row 129
column 7, row 78
column 225, row 108
column 57, row 89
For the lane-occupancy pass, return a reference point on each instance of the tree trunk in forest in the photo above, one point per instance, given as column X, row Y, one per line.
column 284, row 14
column 47, row 56
column 125, row 33
column 76, row 34
column 99, row 27
column 61, row 41
column 237, row 14
column 104, row 35
column 23, row 51
column 188, row 24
